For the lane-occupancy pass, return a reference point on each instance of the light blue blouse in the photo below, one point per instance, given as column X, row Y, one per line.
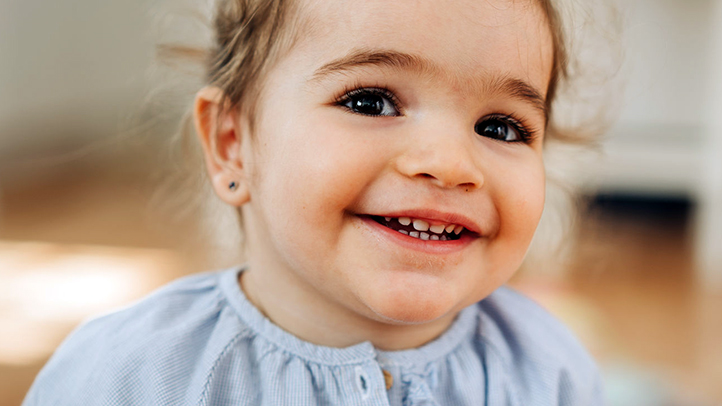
column 199, row 341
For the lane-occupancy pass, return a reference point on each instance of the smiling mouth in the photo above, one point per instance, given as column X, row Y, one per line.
column 423, row 230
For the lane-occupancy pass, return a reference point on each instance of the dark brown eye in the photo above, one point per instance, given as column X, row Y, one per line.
column 498, row 129
column 370, row 102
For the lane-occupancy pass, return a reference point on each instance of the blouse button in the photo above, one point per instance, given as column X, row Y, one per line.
column 388, row 378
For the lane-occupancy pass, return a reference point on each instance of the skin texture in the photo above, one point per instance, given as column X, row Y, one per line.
column 313, row 167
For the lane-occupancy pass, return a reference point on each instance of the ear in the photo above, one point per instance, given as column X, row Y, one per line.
column 220, row 134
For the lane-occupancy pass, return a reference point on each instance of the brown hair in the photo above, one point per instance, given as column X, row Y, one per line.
column 249, row 37
column 560, row 57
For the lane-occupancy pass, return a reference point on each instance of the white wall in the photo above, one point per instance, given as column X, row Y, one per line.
column 667, row 50
column 69, row 69
column 656, row 146
column 668, row 141
column 709, row 215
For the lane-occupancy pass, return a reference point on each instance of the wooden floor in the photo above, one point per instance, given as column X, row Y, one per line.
column 629, row 292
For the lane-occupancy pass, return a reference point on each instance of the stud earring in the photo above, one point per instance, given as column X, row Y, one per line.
column 233, row 186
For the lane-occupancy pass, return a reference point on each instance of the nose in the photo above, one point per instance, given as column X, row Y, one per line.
column 445, row 158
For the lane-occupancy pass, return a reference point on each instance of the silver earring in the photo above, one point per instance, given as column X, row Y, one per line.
column 233, row 185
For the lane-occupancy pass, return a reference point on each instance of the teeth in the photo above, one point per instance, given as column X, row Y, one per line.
column 421, row 225
column 426, row 231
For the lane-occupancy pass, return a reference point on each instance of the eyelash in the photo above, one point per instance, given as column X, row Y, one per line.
column 527, row 133
column 352, row 91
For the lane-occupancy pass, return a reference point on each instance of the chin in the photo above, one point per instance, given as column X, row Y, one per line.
column 411, row 315
column 412, row 303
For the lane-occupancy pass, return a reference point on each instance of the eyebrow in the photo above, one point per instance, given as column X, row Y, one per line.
column 520, row 90
column 513, row 87
column 364, row 57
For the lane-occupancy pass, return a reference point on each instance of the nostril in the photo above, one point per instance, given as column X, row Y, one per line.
column 427, row 176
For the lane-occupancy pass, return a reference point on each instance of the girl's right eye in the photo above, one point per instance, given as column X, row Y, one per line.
column 370, row 102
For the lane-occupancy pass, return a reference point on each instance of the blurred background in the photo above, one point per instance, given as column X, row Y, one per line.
column 83, row 228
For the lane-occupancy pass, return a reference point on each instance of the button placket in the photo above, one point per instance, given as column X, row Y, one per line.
column 369, row 383
column 363, row 382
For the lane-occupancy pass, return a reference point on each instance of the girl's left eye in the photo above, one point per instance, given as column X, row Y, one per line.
column 370, row 102
column 501, row 128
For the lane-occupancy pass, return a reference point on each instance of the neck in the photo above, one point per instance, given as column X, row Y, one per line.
column 305, row 313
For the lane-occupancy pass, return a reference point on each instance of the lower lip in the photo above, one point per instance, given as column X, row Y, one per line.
column 427, row 246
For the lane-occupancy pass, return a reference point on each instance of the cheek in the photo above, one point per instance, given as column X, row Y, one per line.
column 313, row 170
column 519, row 199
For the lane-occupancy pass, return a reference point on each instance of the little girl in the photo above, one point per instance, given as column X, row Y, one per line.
column 386, row 158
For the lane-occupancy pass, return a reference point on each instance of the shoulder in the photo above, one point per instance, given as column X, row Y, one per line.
column 538, row 352
column 526, row 325
column 147, row 352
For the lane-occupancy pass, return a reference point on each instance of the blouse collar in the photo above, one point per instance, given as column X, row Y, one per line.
column 463, row 326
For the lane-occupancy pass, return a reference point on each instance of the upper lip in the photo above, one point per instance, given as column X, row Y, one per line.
column 436, row 216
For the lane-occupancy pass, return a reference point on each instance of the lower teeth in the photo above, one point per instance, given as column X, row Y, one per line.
column 424, row 236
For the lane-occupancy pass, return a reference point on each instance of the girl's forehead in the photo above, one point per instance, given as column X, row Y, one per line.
column 461, row 39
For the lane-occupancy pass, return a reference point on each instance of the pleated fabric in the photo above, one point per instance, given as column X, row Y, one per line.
column 199, row 341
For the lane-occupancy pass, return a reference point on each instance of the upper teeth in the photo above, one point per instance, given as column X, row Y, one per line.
column 422, row 226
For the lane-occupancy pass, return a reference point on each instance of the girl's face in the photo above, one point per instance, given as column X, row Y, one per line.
column 387, row 129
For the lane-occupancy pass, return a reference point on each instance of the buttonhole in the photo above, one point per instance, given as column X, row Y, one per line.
column 362, row 380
